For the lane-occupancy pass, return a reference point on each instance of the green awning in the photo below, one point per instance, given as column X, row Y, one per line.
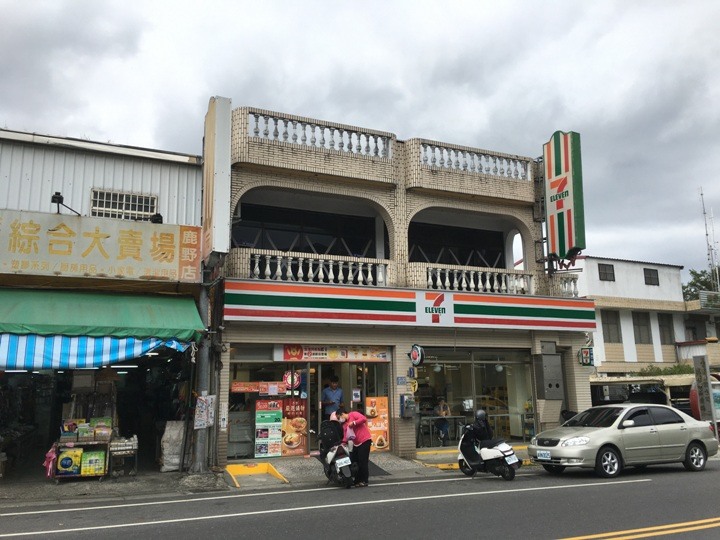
column 75, row 313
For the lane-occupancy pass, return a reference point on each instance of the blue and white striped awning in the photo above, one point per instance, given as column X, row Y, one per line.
column 37, row 352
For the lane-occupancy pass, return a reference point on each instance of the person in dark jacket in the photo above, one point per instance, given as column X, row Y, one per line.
column 481, row 426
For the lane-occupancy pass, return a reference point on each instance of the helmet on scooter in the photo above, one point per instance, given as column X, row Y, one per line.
column 480, row 415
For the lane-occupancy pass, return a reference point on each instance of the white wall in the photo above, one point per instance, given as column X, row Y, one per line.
column 629, row 280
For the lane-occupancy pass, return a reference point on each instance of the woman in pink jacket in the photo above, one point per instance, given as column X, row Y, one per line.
column 357, row 422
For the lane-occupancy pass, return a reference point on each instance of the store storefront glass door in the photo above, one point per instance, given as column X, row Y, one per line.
column 361, row 384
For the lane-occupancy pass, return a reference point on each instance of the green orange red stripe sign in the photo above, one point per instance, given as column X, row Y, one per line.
column 255, row 301
column 564, row 207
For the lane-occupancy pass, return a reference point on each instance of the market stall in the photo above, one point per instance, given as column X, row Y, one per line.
column 89, row 424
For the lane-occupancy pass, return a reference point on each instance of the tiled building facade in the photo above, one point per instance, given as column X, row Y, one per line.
column 351, row 245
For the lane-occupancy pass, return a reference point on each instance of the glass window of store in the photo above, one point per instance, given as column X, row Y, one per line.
column 276, row 396
column 498, row 381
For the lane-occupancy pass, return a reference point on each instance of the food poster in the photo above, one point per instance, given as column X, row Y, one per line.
column 268, row 428
column 294, row 427
column 376, row 410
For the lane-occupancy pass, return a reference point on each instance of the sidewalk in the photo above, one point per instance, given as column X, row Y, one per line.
column 35, row 490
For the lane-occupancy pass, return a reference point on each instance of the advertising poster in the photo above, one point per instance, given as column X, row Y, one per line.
column 204, row 412
column 294, row 427
column 268, row 428
column 376, row 410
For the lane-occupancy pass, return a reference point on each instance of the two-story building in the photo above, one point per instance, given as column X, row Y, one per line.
column 349, row 247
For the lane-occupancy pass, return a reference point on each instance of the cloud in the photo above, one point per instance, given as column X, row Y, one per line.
column 639, row 81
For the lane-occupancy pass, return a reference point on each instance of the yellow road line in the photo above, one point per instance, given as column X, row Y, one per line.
column 658, row 530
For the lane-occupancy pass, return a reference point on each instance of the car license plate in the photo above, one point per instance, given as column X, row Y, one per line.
column 342, row 462
column 543, row 454
column 511, row 459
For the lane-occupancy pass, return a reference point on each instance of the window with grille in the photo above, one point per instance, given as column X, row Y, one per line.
column 667, row 334
column 116, row 204
column 611, row 326
column 651, row 276
column 606, row 272
column 641, row 326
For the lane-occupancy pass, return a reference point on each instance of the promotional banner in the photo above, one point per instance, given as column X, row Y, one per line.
column 275, row 388
column 268, row 428
column 294, row 427
column 331, row 353
column 376, row 410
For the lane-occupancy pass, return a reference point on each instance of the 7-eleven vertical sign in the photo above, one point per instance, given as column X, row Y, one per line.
column 564, row 211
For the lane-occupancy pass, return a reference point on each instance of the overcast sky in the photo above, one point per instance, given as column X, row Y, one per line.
column 639, row 80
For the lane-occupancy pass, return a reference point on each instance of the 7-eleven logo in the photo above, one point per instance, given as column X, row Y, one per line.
column 436, row 309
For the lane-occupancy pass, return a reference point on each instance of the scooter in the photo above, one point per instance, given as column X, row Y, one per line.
column 493, row 456
column 335, row 455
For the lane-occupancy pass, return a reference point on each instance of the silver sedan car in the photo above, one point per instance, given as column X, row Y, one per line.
column 609, row 437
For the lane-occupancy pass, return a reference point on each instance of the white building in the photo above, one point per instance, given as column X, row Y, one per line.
column 642, row 317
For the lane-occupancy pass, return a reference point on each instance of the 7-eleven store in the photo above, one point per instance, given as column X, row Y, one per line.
column 284, row 341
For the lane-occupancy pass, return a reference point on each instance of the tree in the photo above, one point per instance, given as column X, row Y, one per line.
column 675, row 369
column 700, row 280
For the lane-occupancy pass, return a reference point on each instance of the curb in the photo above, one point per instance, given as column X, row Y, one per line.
column 455, row 466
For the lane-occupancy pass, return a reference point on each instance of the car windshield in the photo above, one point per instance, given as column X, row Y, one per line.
column 598, row 417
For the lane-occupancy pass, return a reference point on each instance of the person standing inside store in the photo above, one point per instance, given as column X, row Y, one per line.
column 441, row 424
column 355, row 427
column 332, row 397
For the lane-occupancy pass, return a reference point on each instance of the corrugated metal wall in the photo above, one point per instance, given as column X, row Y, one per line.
column 31, row 172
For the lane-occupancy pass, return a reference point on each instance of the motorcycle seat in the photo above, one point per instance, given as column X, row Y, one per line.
column 489, row 443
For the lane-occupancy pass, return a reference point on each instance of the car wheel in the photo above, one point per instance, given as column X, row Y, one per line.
column 695, row 457
column 608, row 463
column 554, row 469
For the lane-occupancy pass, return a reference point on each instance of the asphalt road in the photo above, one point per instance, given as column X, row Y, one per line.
column 535, row 505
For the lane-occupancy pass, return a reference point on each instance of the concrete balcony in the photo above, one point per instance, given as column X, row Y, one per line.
column 260, row 264
column 470, row 279
column 491, row 175
column 564, row 285
column 273, row 140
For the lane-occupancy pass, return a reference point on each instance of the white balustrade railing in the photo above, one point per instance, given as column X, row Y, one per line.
column 476, row 161
column 495, row 280
column 566, row 284
column 275, row 127
column 318, row 269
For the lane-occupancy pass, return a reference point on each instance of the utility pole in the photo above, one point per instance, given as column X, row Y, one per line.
column 711, row 249
column 202, row 384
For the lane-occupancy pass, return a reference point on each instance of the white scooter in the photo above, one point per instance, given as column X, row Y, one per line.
column 493, row 456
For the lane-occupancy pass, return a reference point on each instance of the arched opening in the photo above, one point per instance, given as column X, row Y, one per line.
column 460, row 238
column 313, row 223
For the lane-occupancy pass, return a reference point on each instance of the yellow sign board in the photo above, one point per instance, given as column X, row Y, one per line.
column 35, row 243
